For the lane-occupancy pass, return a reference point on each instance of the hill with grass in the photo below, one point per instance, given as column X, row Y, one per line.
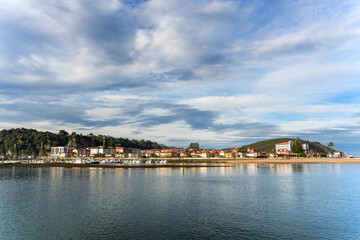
column 320, row 148
column 268, row 145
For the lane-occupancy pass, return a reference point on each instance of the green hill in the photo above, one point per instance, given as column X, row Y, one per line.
column 268, row 145
column 29, row 141
column 320, row 148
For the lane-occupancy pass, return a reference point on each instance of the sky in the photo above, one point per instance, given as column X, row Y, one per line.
column 221, row 73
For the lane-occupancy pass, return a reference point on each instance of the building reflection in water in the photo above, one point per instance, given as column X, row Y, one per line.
column 336, row 168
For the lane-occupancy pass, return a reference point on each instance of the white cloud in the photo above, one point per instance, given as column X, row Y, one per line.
column 310, row 78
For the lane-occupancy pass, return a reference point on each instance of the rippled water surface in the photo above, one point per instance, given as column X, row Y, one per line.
column 239, row 202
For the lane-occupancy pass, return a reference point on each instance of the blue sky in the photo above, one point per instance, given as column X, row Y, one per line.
column 223, row 73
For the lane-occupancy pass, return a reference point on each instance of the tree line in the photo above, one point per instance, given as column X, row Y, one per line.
column 23, row 141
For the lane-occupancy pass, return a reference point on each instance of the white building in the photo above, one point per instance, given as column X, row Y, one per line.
column 306, row 147
column 205, row 154
column 284, row 147
column 252, row 154
column 222, row 153
column 109, row 152
column 336, row 154
column 135, row 153
column 62, row 152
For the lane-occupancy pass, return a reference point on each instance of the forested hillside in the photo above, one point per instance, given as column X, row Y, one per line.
column 29, row 141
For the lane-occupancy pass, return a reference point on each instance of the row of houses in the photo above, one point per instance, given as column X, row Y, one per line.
column 281, row 149
column 123, row 152
column 68, row 152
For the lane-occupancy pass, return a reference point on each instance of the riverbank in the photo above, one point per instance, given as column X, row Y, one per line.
column 195, row 163
column 273, row 160
column 298, row 160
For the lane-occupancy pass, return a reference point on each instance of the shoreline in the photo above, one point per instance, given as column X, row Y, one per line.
column 196, row 163
column 300, row 161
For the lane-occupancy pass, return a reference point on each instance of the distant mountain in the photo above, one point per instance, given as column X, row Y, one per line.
column 29, row 141
column 267, row 145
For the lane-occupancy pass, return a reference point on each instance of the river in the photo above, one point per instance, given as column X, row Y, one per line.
column 243, row 201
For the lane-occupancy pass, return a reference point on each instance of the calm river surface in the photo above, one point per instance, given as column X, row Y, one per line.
column 286, row 201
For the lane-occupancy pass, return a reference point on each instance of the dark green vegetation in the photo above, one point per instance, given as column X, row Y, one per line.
column 269, row 145
column 301, row 154
column 29, row 141
column 297, row 146
column 194, row 146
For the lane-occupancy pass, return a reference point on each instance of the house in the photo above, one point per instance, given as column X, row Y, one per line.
column 169, row 153
column 222, row 153
column 149, row 152
column 120, row 150
column 107, row 151
column 338, row 154
column 134, row 153
column 62, row 152
column 184, row 154
column 205, row 154
column 235, row 150
column 230, row 155
column 254, row 153
column 194, row 153
column 81, row 152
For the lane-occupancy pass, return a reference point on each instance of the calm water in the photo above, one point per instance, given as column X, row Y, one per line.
column 240, row 202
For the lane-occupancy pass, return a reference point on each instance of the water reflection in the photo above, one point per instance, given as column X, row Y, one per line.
column 280, row 201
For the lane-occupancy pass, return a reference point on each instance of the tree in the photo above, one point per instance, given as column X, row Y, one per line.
column 331, row 145
column 302, row 154
column 63, row 133
column 194, row 146
column 297, row 146
column 28, row 141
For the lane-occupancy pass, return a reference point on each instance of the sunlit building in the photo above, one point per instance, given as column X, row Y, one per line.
column 283, row 148
column 62, row 152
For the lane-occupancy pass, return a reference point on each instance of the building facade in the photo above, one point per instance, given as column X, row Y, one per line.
column 107, row 151
column 283, row 148
column 62, row 152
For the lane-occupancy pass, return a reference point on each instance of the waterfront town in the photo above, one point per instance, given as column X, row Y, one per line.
column 282, row 150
